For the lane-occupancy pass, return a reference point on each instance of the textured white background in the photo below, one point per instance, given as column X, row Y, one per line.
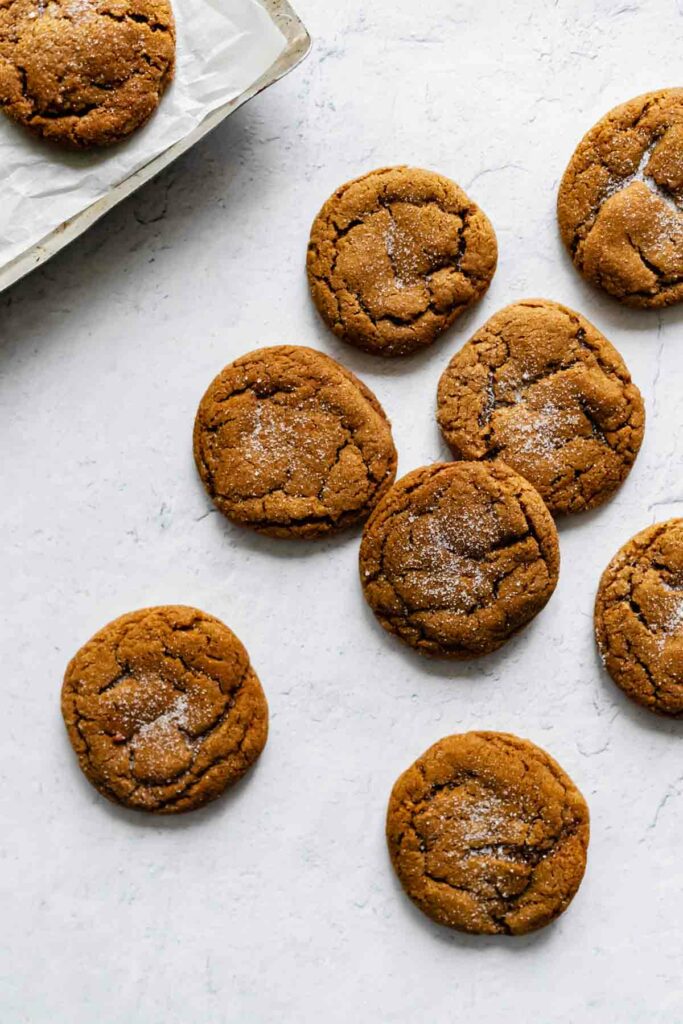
column 278, row 903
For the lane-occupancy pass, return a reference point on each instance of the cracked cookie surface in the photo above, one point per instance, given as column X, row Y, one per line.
column 164, row 709
column 620, row 203
column 639, row 618
column 395, row 256
column 291, row 443
column 84, row 72
column 488, row 834
column 459, row 557
column 539, row 387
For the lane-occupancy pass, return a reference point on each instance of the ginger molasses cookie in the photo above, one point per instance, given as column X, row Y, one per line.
column 458, row 557
column 395, row 256
column 164, row 710
column 488, row 834
column 541, row 388
column 84, row 72
column 289, row 442
column 639, row 618
column 620, row 204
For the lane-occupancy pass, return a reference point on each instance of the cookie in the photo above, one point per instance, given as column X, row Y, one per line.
column 541, row 388
column 289, row 442
column 639, row 618
column 395, row 256
column 164, row 710
column 458, row 557
column 620, row 204
column 84, row 72
column 488, row 834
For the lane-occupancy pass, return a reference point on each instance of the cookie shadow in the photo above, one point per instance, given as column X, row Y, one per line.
column 514, row 944
column 389, row 367
column 608, row 312
column 577, row 520
column 153, row 221
column 642, row 718
column 149, row 820
column 244, row 539
column 471, row 669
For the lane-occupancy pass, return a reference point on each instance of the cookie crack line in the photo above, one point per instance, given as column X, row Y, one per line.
column 464, row 862
column 365, row 204
column 565, row 363
column 196, row 737
column 620, row 202
column 349, row 442
column 137, row 18
column 110, row 85
column 191, row 777
column 616, row 185
column 510, row 902
column 311, row 454
column 567, row 416
column 529, row 854
column 187, row 761
column 580, row 339
column 631, row 640
column 504, row 544
column 435, row 622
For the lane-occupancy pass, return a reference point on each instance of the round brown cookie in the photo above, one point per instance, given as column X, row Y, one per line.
column 84, row 72
column 488, row 834
column 293, row 444
column 458, row 557
column 639, row 618
column 620, row 204
column 395, row 256
column 164, row 710
column 541, row 388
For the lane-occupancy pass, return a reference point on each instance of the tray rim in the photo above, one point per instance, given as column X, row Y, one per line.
column 298, row 45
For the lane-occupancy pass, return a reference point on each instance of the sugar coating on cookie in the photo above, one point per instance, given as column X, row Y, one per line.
column 539, row 387
column 395, row 256
column 459, row 557
column 164, row 709
column 488, row 834
column 291, row 443
column 639, row 618
column 84, row 72
column 620, row 203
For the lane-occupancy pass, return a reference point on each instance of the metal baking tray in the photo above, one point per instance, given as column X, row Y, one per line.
column 297, row 46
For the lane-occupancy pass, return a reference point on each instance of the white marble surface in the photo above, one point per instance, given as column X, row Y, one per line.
column 278, row 903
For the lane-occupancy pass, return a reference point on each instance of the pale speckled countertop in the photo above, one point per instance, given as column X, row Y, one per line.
column 278, row 903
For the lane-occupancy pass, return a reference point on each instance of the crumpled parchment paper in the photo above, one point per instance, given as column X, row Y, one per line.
column 222, row 47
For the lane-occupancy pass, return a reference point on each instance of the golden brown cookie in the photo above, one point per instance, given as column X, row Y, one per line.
column 639, row 618
column 458, row 557
column 541, row 388
column 164, row 710
column 488, row 834
column 395, row 256
column 84, row 72
column 289, row 442
column 620, row 204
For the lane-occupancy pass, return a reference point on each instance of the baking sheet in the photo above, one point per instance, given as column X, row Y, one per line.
column 223, row 48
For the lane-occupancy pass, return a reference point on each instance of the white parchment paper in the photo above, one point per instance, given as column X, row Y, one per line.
column 223, row 46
